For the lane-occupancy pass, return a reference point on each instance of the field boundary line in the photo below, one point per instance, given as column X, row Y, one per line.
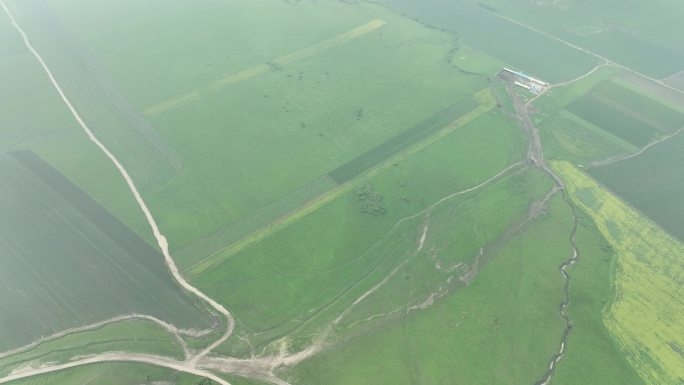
column 579, row 48
column 161, row 239
column 487, row 104
column 605, row 162
column 261, row 69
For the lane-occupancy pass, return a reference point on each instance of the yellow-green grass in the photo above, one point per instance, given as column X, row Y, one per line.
column 137, row 336
column 261, row 69
column 646, row 317
column 487, row 103
column 592, row 353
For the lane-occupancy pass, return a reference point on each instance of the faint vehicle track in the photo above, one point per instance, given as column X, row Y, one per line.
column 608, row 161
column 99, row 325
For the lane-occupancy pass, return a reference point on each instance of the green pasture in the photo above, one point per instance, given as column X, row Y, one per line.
column 513, row 345
column 114, row 374
column 271, row 283
column 290, row 125
column 132, row 336
column 462, row 232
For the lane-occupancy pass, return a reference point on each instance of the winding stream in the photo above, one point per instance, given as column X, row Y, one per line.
column 535, row 156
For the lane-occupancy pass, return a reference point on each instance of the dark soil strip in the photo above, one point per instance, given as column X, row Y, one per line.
column 90, row 209
column 358, row 165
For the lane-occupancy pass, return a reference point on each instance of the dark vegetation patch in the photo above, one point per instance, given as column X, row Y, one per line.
column 610, row 118
column 390, row 147
column 72, row 261
column 652, row 182
column 663, row 117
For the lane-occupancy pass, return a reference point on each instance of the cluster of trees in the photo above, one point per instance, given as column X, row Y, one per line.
column 370, row 201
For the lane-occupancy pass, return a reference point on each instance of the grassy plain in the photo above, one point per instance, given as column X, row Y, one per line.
column 512, row 345
column 114, row 374
column 131, row 336
column 277, row 281
column 645, row 316
column 69, row 261
column 308, row 115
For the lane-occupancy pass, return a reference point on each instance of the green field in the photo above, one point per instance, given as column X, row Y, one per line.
column 138, row 336
column 353, row 182
column 592, row 352
column 259, row 279
column 114, row 374
column 312, row 114
column 652, row 182
column 642, row 36
column 511, row 43
column 418, row 347
column 567, row 136
column 615, row 121
column 72, row 262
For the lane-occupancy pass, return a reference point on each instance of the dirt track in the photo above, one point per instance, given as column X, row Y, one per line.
column 161, row 239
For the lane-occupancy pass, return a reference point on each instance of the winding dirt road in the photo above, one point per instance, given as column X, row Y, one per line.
column 161, row 241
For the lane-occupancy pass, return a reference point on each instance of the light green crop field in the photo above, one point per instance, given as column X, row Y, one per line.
column 114, row 374
column 136, row 336
column 645, row 316
column 72, row 262
column 643, row 36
